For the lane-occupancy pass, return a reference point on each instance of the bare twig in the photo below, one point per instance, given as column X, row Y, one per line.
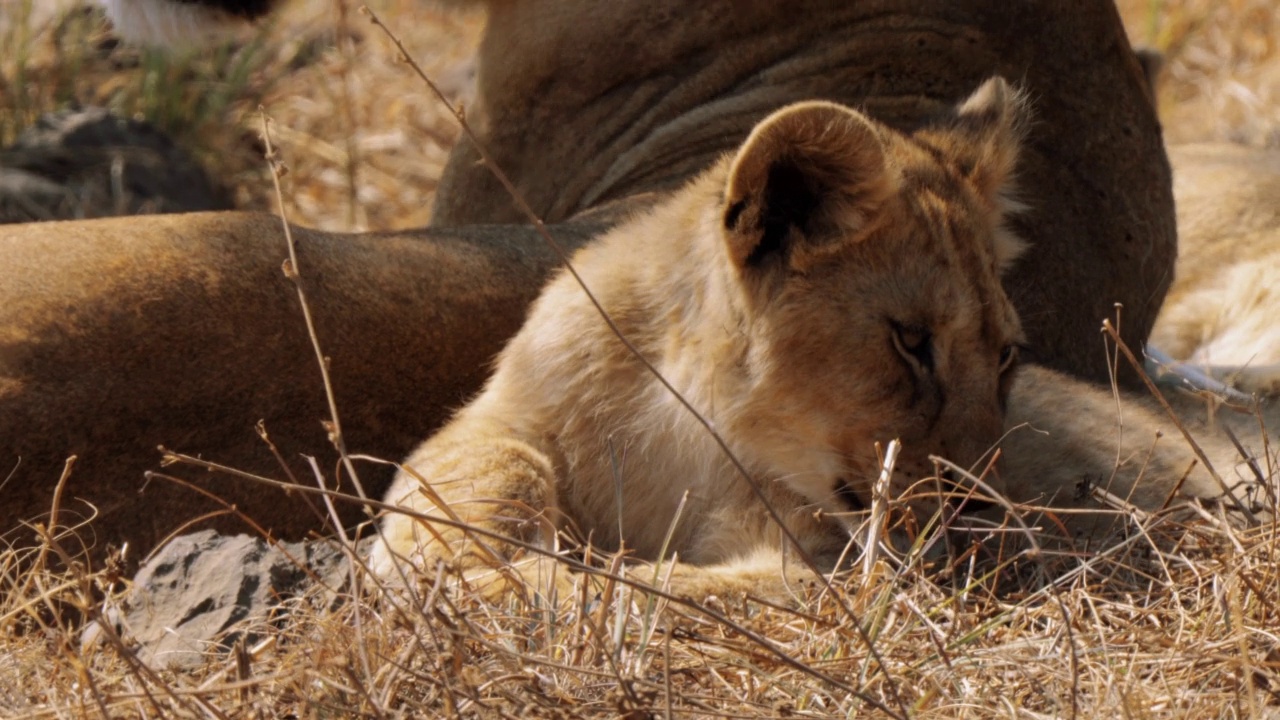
column 293, row 273
column 728, row 453
column 1111, row 332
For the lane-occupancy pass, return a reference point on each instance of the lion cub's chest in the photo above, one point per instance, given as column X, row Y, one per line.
column 634, row 467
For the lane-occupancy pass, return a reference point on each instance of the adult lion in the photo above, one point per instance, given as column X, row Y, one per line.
column 1223, row 314
column 583, row 103
column 121, row 335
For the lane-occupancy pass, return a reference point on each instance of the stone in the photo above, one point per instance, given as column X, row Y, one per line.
column 203, row 592
column 87, row 163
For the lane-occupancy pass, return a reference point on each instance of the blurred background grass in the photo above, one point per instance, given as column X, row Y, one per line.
column 1221, row 79
column 365, row 143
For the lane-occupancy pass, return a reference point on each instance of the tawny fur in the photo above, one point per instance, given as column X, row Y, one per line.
column 120, row 335
column 1222, row 314
column 1101, row 236
column 880, row 316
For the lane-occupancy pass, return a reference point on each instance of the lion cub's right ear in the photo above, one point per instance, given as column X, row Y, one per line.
column 806, row 171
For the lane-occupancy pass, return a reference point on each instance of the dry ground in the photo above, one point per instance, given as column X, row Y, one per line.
column 1190, row 631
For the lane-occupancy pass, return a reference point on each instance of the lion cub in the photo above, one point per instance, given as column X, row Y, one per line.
column 833, row 285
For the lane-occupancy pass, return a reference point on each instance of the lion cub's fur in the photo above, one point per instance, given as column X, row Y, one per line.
column 832, row 286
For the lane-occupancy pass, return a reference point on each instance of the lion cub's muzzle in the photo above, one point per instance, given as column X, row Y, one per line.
column 961, row 497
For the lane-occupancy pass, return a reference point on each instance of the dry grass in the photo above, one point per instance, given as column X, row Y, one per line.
column 364, row 142
column 1222, row 71
column 1180, row 621
column 1185, row 627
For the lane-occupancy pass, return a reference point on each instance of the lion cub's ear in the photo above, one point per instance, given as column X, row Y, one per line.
column 984, row 139
column 990, row 125
column 806, row 171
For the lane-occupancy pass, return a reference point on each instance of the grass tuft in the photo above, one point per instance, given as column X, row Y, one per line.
column 1183, row 631
column 367, row 144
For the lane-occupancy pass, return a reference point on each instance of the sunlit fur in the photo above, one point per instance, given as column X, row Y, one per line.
column 1222, row 314
column 788, row 350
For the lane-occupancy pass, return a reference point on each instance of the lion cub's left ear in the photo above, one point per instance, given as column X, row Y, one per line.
column 987, row 133
column 807, row 170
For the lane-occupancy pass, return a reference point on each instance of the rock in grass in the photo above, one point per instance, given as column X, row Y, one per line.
column 204, row 591
column 89, row 162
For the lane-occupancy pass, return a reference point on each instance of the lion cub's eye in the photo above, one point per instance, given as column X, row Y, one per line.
column 914, row 343
column 1008, row 357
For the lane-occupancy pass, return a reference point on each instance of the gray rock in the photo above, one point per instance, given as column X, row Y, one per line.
column 91, row 163
column 204, row 591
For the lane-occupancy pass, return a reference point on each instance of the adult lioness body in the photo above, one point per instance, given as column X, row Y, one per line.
column 611, row 99
column 583, row 103
column 121, row 335
column 601, row 101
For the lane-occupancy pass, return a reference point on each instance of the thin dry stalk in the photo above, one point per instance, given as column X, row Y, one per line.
column 706, row 424
column 1120, row 345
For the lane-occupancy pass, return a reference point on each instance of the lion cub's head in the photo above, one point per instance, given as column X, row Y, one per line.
column 868, row 267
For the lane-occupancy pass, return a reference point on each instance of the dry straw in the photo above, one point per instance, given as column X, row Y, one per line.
column 1174, row 620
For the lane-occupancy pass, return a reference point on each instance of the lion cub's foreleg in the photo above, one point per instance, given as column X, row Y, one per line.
column 472, row 486
column 461, row 493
